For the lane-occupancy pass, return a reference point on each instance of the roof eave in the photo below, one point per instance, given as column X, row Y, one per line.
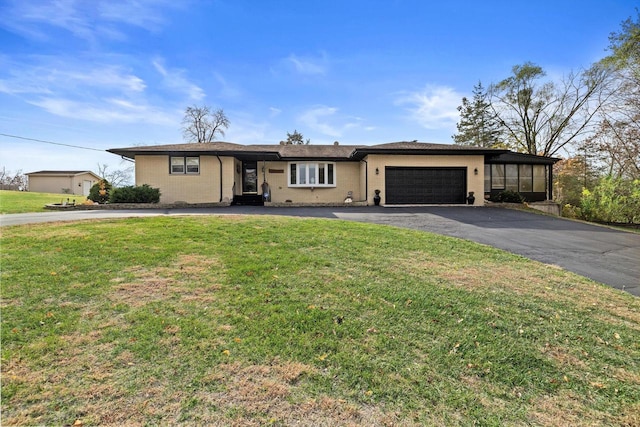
column 250, row 155
column 361, row 153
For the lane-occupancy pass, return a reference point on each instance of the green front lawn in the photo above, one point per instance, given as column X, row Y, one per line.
column 26, row 201
column 236, row 320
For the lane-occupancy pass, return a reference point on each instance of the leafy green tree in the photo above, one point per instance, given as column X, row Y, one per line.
column 613, row 200
column 572, row 176
column 296, row 138
column 478, row 125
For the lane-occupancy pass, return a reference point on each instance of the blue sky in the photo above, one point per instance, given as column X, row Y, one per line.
column 111, row 73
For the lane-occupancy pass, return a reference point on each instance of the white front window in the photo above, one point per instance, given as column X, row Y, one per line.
column 312, row 174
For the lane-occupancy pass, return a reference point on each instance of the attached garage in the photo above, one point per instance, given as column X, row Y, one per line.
column 425, row 185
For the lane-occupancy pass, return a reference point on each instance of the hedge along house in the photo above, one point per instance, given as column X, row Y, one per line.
column 403, row 172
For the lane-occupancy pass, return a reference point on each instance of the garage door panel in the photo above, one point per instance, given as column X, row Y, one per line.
column 417, row 185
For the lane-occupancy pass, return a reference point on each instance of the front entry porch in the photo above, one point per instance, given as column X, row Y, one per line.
column 249, row 196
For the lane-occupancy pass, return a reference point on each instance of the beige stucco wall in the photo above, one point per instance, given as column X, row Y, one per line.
column 201, row 188
column 358, row 177
column 475, row 182
column 60, row 184
column 347, row 176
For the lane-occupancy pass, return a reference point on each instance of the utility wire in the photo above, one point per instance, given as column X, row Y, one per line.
column 49, row 142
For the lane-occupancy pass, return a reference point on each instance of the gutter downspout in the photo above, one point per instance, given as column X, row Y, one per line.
column 366, row 181
column 220, row 161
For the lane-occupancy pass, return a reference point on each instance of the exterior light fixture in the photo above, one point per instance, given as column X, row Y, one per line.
column 475, row 171
column 377, row 171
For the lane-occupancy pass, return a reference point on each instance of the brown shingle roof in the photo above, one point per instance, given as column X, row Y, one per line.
column 316, row 151
column 329, row 152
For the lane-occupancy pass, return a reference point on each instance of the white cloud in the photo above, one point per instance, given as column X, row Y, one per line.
column 141, row 13
column 227, row 90
column 434, row 107
column 175, row 80
column 324, row 119
column 107, row 111
column 316, row 119
column 273, row 111
column 109, row 76
column 54, row 75
column 101, row 93
column 309, row 65
column 86, row 20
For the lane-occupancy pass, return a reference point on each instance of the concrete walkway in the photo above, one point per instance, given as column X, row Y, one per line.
column 603, row 254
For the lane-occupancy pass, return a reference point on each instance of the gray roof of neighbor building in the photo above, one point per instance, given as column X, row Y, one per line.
column 59, row 173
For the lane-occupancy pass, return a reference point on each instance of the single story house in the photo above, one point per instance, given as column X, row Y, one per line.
column 401, row 173
column 62, row 182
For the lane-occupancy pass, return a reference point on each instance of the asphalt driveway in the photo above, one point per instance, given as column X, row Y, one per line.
column 603, row 254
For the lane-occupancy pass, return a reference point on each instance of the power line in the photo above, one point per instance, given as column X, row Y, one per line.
column 50, row 142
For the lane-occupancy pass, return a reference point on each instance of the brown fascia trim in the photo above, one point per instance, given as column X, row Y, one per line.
column 267, row 155
column 361, row 153
column 521, row 158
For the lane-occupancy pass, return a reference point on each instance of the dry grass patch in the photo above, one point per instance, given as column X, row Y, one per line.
column 192, row 278
column 256, row 395
column 565, row 408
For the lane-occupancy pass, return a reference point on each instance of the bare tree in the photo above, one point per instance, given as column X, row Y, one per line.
column 543, row 118
column 13, row 181
column 617, row 140
column 200, row 124
column 116, row 178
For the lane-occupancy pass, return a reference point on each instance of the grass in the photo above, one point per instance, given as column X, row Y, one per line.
column 239, row 320
column 23, row 202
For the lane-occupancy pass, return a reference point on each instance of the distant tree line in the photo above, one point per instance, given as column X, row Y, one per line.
column 591, row 118
column 16, row 181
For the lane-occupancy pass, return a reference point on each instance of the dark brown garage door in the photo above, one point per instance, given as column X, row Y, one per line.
column 414, row 185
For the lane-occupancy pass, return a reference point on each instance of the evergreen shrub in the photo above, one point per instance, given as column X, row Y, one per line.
column 133, row 194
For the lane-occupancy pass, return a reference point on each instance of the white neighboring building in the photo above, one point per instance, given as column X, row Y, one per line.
column 62, row 182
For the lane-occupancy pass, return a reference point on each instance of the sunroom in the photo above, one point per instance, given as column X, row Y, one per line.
column 526, row 174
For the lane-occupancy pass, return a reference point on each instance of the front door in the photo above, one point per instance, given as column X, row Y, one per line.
column 249, row 178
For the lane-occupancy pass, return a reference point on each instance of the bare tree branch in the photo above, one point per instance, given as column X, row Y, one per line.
column 545, row 118
column 200, row 124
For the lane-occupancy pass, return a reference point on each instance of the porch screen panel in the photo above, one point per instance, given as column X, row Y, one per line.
column 487, row 178
column 497, row 177
column 540, row 178
column 511, row 177
column 526, row 178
